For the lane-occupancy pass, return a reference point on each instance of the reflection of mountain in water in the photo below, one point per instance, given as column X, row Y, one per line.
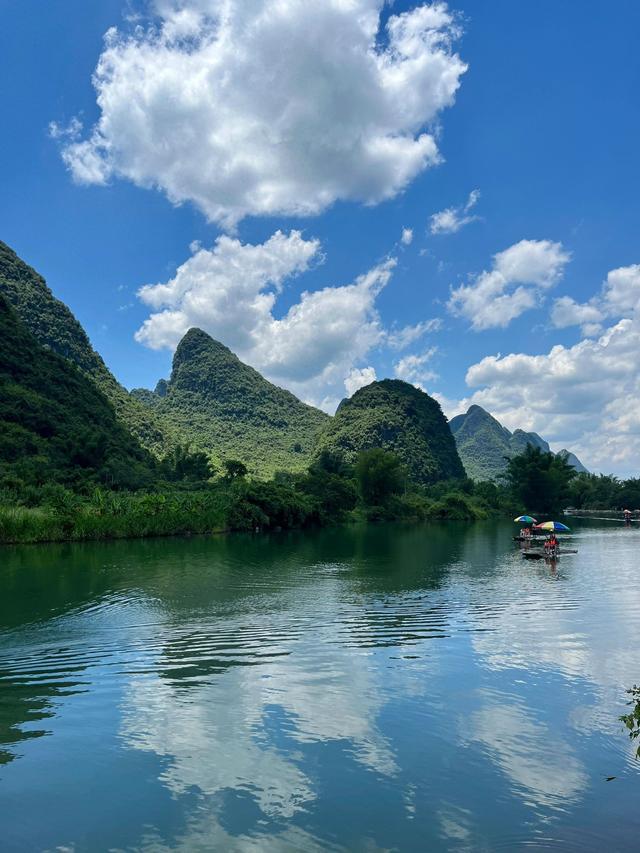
column 370, row 586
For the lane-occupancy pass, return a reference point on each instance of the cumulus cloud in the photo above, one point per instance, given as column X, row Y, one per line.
column 415, row 369
column 452, row 219
column 231, row 290
column 358, row 378
column 621, row 291
column 567, row 312
column 620, row 295
column 518, row 277
column 270, row 107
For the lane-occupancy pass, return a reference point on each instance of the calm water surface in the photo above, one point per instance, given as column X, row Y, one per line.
column 392, row 688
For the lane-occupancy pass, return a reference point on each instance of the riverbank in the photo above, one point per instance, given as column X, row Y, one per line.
column 68, row 517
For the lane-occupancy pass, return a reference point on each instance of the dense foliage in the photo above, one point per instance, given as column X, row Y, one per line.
column 228, row 409
column 379, row 475
column 55, row 425
column 485, row 446
column 600, row 491
column 540, row 481
column 53, row 325
column 396, row 416
column 331, row 491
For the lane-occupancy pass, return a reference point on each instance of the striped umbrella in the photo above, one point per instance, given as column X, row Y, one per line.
column 552, row 525
column 527, row 519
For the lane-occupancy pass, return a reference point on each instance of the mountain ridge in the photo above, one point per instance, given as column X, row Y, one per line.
column 484, row 444
column 216, row 403
column 53, row 325
column 56, row 426
column 230, row 410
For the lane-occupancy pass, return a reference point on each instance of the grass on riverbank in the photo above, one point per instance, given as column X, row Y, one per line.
column 114, row 517
column 265, row 506
column 376, row 489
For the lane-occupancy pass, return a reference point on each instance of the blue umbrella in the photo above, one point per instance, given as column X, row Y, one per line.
column 528, row 519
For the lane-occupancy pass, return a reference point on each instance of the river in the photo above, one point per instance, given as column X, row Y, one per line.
column 365, row 689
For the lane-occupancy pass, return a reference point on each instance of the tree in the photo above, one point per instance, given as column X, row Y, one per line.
column 234, row 470
column 629, row 494
column 539, row 482
column 332, row 462
column 333, row 495
column 379, row 474
column 184, row 464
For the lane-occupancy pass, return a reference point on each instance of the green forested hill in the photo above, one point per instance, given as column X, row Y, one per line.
column 228, row 409
column 54, row 326
column 396, row 416
column 485, row 445
column 56, row 427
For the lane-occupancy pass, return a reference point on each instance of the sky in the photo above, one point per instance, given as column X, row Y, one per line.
column 343, row 191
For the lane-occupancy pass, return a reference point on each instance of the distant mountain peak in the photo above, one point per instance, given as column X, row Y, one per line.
column 206, row 366
column 195, row 340
column 229, row 409
column 485, row 445
column 572, row 460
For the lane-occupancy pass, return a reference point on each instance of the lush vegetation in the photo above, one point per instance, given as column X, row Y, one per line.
column 396, row 416
column 600, row 491
column 231, row 451
column 546, row 483
column 55, row 425
column 228, row 409
column 53, row 325
column 188, row 497
column 539, row 481
column 485, row 446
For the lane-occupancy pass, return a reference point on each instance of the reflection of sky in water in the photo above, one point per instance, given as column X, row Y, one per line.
column 374, row 699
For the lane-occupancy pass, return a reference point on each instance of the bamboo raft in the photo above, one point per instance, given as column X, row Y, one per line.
column 541, row 554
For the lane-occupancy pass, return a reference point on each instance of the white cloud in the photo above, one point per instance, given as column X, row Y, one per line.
column 586, row 397
column 567, row 312
column 621, row 291
column 358, row 378
column 513, row 285
column 414, row 369
column 407, row 236
column 620, row 296
column 230, row 291
column 271, row 106
column 452, row 219
column 400, row 339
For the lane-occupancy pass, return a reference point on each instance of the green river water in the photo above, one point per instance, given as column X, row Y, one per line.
column 387, row 688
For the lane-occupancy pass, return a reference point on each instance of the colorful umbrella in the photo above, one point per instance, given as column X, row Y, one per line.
column 528, row 519
column 552, row 525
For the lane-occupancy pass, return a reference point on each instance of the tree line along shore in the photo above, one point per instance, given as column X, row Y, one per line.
column 190, row 498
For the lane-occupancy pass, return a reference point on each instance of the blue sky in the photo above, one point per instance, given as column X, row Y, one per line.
column 544, row 125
